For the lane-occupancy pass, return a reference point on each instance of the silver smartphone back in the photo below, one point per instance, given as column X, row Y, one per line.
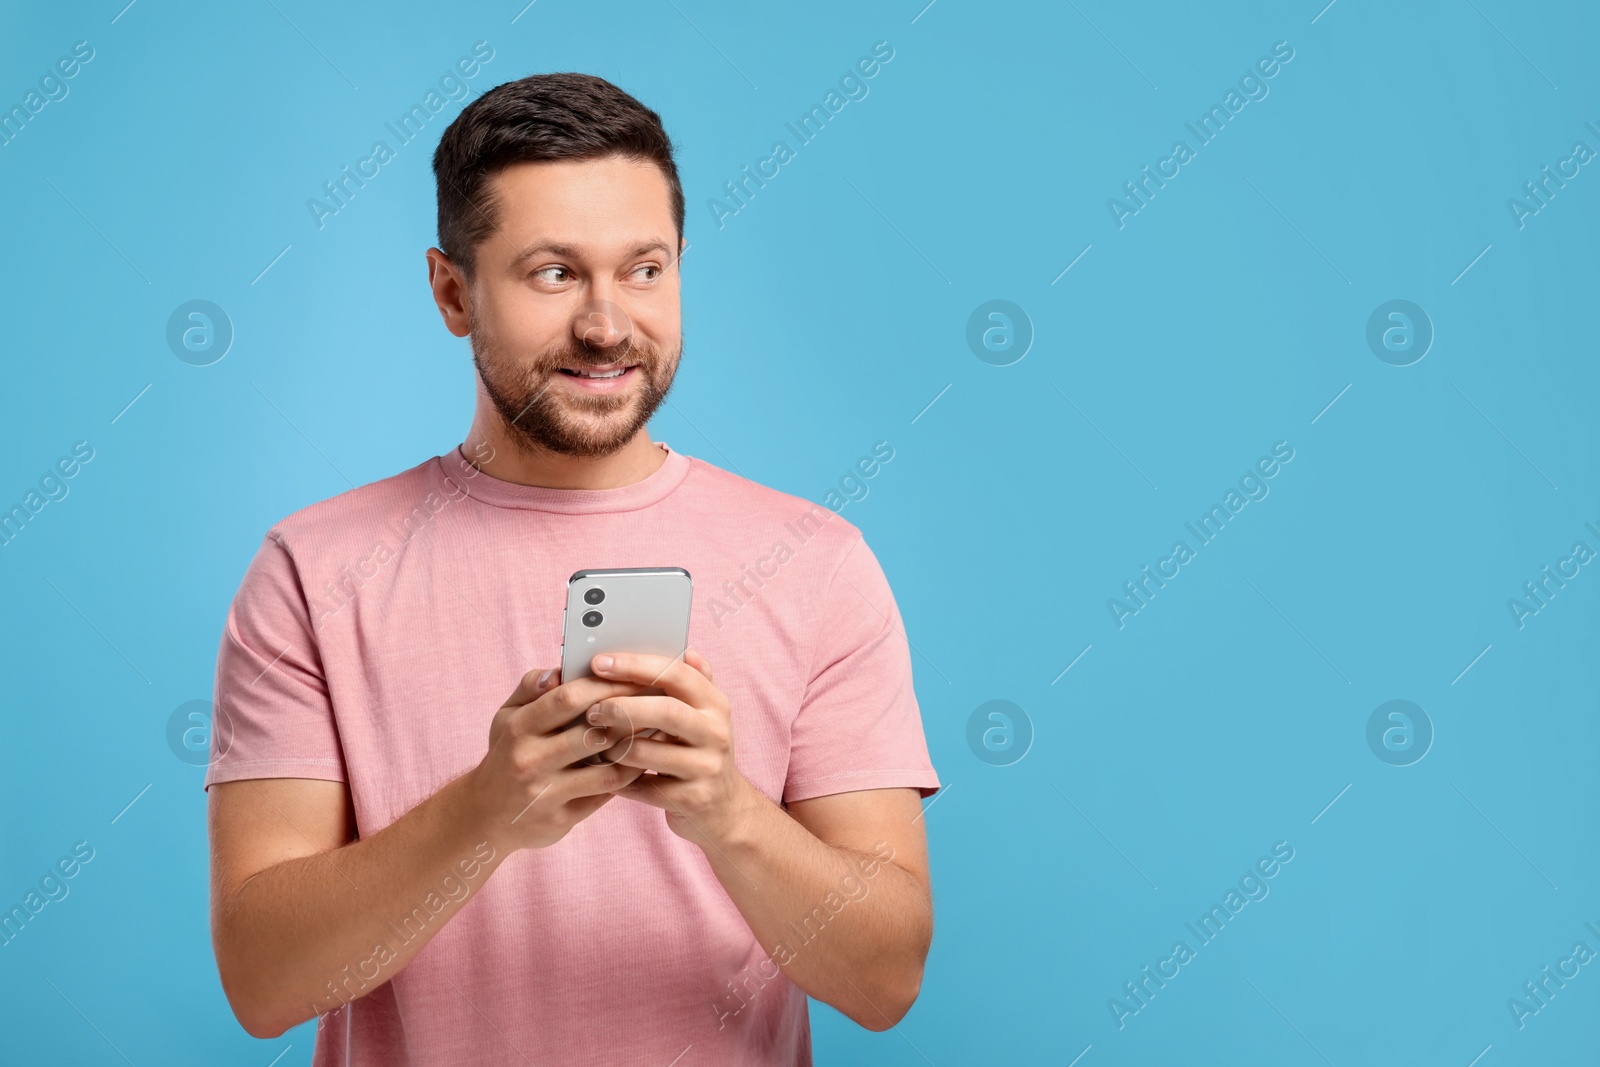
column 630, row 609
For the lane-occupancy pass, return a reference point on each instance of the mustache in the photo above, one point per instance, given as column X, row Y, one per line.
column 626, row 352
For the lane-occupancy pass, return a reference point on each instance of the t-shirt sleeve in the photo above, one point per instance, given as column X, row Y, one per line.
column 858, row 726
column 271, row 715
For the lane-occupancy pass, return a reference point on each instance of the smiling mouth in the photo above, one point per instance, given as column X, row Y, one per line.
column 614, row 370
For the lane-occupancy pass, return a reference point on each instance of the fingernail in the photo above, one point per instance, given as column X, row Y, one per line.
column 602, row 663
column 544, row 679
column 594, row 716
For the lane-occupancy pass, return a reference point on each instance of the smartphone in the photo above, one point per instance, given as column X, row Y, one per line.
column 629, row 609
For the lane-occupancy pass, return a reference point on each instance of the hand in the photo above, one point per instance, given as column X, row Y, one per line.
column 696, row 781
column 530, row 788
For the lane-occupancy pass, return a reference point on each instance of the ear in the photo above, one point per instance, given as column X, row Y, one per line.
column 449, row 292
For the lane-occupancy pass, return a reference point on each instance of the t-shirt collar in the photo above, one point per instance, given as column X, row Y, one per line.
column 497, row 492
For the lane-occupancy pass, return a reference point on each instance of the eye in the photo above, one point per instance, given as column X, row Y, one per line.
column 650, row 266
column 546, row 270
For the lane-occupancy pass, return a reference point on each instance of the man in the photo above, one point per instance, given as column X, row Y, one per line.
column 441, row 882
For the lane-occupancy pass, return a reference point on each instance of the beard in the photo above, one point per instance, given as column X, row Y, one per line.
column 540, row 416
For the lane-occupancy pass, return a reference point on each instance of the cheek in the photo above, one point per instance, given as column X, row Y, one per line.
column 668, row 365
column 659, row 325
column 525, row 343
column 659, row 346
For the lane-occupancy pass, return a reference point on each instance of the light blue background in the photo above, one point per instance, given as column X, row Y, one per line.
column 825, row 316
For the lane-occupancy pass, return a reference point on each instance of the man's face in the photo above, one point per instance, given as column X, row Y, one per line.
column 574, row 313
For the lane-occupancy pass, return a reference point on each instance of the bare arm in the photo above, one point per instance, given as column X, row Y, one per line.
column 835, row 889
column 301, row 914
column 305, row 918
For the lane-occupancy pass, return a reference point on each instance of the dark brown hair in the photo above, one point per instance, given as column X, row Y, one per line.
column 537, row 119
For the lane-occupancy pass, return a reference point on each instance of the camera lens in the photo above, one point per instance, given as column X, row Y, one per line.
column 591, row 618
column 594, row 596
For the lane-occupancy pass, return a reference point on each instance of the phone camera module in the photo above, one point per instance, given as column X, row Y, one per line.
column 594, row 596
column 592, row 618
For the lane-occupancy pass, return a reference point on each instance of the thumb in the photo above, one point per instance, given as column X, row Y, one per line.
column 533, row 685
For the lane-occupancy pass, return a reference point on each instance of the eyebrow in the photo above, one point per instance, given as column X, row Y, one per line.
column 566, row 251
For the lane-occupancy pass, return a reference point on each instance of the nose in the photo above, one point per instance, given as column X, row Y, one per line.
column 601, row 323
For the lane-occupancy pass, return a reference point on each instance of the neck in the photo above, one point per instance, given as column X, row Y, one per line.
column 492, row 449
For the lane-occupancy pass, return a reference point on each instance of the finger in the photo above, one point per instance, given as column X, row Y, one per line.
column 583, row 807
column 647, row 789
column 552, row 733
column 693, row 658
column 602, row 778
column 636, row 714
column 666, row 757
column 560, row 705
column 619, row 748
column 581, row 741
column 533, row 685
column 670, row 674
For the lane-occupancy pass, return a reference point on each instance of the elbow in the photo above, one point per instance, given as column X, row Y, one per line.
column 252, row 1006
column 886, row 1011
column 899, row 991
column 260, row 1028
column 256, row 1018
column 260, row 1020
column 260, row 995
column 264, row 1021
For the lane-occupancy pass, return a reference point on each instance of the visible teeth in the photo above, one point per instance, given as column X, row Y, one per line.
column 608, row 374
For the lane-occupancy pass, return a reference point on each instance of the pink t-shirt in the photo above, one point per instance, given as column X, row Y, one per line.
column 376, row 633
